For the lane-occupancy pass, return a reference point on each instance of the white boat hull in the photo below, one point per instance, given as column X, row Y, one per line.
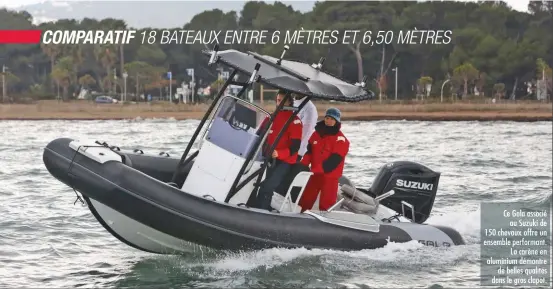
column 139, row 235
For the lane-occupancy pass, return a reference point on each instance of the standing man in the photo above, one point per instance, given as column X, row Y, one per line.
column 326, row 153
column 308, row 115
column 285, row 153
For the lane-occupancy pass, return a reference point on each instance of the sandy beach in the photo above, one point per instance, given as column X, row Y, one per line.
column 367, row 111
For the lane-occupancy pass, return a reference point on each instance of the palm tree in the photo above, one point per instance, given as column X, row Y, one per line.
column 106, row 56
column 53, row 51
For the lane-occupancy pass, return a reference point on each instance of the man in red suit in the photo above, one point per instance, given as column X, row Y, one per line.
column 285, row 153
column 326, row 153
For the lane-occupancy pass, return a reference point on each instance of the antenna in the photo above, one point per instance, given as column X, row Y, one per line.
column 213, row 55
column 286, row 47
column 319, row 65
column 254, row 73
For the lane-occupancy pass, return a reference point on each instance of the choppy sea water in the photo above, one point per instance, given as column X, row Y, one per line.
column 47, row 241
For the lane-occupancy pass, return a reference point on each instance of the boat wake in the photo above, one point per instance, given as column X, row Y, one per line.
column 393, row 255
column 467, row 223
column 316, row 267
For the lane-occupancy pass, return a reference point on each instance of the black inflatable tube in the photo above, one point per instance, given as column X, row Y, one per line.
column 198, row 220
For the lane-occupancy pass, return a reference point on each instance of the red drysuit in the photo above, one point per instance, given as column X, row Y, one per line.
column 289, row 144
column 326, row 153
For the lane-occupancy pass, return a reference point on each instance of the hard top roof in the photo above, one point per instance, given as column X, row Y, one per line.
column 293, row 76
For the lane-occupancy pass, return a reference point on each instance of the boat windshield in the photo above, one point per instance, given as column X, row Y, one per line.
column 240, row 114
column 234, row 126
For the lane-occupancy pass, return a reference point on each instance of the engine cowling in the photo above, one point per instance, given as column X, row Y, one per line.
column 412, row 183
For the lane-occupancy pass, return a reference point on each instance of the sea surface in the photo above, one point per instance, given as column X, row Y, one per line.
column 48, row 241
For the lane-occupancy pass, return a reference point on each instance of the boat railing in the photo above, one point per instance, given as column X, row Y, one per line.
column 278, row 65
column 384, row 196
column 336, row 205
column 271, row 75
column 264, row 131
column 208, row 126
column 200, row 126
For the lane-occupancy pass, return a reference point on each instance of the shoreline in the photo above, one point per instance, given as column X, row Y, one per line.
column 460, row 111
column 440, row 116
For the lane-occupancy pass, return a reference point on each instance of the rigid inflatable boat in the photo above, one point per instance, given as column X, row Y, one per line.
column 161, row 204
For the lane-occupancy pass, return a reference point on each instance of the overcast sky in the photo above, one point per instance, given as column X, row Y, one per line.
column 521, row 5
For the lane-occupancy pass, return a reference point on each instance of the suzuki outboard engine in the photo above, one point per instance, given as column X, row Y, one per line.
column 414, row 186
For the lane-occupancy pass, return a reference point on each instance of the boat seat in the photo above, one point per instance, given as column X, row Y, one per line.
column 286, row 182
column 286, row 204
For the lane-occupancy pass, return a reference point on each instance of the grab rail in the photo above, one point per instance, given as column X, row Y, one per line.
column 335, row 205
column 384, row 196
column 405, row 204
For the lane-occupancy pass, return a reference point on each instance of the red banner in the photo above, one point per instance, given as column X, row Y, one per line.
column 20, row 36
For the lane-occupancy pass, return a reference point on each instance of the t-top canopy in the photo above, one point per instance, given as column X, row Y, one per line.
column 296, row 77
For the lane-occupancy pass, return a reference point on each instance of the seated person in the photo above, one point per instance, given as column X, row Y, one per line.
column 326, row 153
column 285, row 153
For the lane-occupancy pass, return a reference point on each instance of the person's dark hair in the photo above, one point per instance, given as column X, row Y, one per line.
column 286, row 93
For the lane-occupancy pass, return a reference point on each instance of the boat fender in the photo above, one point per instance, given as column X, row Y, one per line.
column 357, row 201
column 358, row 207
column 357, row 195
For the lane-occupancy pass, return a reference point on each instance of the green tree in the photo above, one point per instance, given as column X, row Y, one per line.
column 107, row 57
column 499, row 90
column 467, row 73
column 545, row 73
column 151, row 54
column 62, row 77
column 87, row 80
column 141, row 71
column 502, row 43
column 423, row 82
column 10, row 79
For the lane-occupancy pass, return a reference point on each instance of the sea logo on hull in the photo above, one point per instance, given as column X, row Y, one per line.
column 414, row 185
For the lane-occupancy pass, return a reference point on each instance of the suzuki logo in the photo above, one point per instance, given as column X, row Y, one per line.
column 414, row 185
